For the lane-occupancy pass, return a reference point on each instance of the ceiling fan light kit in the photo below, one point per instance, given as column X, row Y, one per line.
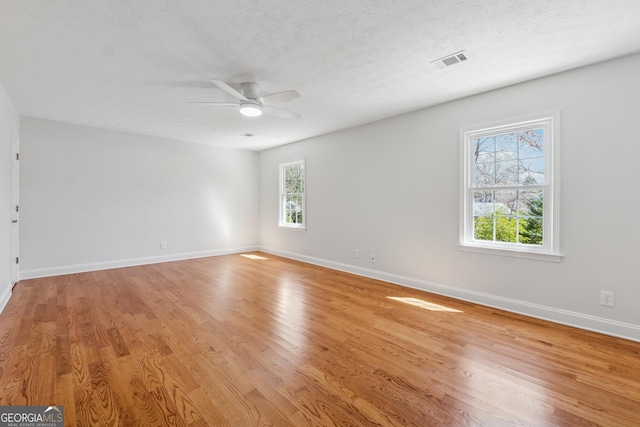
column 250, row 110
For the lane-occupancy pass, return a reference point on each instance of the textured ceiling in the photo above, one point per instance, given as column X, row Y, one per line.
column 135, row 65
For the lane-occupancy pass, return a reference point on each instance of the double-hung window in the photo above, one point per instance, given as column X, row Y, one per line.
column 510, row 188
column 292, row 194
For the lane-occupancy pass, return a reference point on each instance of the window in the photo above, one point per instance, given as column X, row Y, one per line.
column 292, row 200
column 510, row 188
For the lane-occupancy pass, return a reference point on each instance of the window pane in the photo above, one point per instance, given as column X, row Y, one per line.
column 505, row 211
column 293, row 209
column 531, row 171
column 529, row 207
column 506, row 159
column 483, row 227
column 484, row 175
column 531, row 221
column 506, row 228
column 507, row 172
column 531, row 142
column 506, row 146
column 294, row 187
column 293, row 179
column 531, row 156
column 293, row 172
column 484, row 210
column 484, row 160
column 506, row 202
column 483, row 203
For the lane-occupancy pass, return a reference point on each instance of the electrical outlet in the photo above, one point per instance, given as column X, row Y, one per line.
column 606, row 298
column 356, row 253
column 163, row 245
column 373, row 258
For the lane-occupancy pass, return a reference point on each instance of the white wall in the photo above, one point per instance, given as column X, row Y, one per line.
column 94, row 198
column 391, row 188
column 9, row 123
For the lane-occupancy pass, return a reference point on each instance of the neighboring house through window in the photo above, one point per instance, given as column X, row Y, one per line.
column 292, row 194
column 510, row 187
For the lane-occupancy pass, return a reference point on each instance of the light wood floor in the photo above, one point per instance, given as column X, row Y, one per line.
column 235, row 341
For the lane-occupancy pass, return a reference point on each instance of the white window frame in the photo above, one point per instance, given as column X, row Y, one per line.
column 282, row 198
column 550, row 249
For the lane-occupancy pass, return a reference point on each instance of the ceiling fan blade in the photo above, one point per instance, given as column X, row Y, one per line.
column 280, row 112
column 280, row 97
column 231, row 91
column 231, row 104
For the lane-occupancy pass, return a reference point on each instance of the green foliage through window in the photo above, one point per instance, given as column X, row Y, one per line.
column 523, row 227
column 532, row 232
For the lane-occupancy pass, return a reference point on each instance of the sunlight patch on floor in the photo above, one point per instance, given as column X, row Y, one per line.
column 424, row 304
column 251, row 256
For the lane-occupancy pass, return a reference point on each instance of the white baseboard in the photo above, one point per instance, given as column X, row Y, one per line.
column 583, row 321
column 107, row 265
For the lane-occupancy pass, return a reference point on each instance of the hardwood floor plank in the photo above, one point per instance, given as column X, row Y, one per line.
column 104, row 396
column 228, row 385
column 235, row 341
column 210, row 413
column 14, row 384
column 63, row 389
column 81, row 378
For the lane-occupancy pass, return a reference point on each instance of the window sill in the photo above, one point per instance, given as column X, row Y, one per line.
column 293, row 228
column 511, row 253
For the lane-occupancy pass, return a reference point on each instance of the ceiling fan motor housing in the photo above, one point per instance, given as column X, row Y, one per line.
column 251, row 90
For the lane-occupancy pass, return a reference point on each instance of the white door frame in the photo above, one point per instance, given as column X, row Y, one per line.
column 15, row 178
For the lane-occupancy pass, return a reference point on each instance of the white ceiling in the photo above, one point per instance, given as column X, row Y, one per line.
column 135, row 65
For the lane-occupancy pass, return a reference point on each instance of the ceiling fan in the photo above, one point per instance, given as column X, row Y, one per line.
column 251, row 103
